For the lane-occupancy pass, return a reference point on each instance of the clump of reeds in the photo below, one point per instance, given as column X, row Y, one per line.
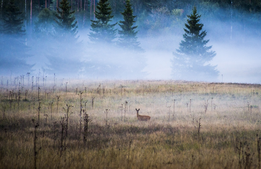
column 173, row 113
column 80, row 114
column 46, row 119
column 36, row 151
column 86, row 127
column 39, row 111
column 206, row 106
column 93, row 102
column 4, row 109
column 18, row 100
column 106, row 116
column 259, row 150
column 245, row 157
column 39, row 93
column 57, row 103
column 62, row 138
column 199, row 125
column 67, row 119
column 51, row 106
column 125, row 110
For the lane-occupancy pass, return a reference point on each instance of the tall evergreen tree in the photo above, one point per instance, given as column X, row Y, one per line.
column 101, row 28
column 67, row 25
column 191, row 59
column 128, row 34
column 12, row 41
column 44, row 26
column 42, row 43
column 64, row 57
column 13, row 20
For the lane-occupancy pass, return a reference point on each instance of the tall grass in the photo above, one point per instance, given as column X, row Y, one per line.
column 212, row 125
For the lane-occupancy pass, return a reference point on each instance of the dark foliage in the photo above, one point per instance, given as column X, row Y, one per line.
column 12, row 41
column 13, row 20
column 101, row 28
column 191, row 59
column 44, row 26
column 67, row 25
column 62, row 57
column 128, row 35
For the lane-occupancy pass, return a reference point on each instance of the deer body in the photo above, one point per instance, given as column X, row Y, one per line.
column 142, row 117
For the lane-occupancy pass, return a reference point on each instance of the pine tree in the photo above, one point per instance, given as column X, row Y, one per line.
column 44, row 24
column 128, row 34
column 43, row 39
column 67, row 25
column 64, row 57
column 101, row 28
column 191, row 59
column 12, row 41
column 13, row 20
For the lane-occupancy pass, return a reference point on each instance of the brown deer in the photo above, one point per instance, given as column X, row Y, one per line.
column 142, row 117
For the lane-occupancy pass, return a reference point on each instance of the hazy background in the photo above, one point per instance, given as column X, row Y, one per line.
column 234, row 31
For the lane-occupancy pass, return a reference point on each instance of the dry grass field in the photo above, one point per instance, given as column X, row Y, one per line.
column 94, row 125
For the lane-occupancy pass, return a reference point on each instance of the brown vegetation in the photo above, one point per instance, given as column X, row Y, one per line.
column 213, row 125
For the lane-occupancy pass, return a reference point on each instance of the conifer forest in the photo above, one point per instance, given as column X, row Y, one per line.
column 130, row 84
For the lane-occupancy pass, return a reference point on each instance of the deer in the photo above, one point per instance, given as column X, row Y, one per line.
column 142, row 117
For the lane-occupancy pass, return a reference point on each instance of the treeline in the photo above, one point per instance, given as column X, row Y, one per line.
column 152, row 15
column 85, row 8
column 49, row 29
column 54, row 36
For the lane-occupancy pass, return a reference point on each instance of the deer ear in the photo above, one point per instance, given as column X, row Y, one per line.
column 138, row 109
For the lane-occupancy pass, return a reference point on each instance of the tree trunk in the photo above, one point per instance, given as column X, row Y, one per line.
column 84, row 5
column 80, row 5
column 93, row 9
column 90, row 9
column 24, row 8
column 1, row 12
column 31, row 12
column 57, row 3
column 84, row 8
column 77, row 7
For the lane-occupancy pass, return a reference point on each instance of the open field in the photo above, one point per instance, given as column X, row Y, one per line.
column 94, row 125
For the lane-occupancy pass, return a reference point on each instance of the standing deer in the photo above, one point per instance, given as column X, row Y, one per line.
column 142, row 117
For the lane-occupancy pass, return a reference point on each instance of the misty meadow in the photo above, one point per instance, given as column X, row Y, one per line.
column 130, row 84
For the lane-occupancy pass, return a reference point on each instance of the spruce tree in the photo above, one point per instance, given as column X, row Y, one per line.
column 67, row 25
column 44, row 24
column 13, row 20
column 12, row 41
column 191, row 59
column 43, row 39
column 64, row 56
column 128, row 34
column 102, row 30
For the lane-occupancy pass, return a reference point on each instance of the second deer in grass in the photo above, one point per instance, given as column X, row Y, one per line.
column 142, row 117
